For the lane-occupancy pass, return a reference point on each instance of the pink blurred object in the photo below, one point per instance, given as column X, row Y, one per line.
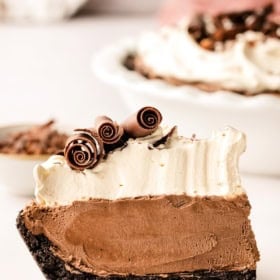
column 173, row 10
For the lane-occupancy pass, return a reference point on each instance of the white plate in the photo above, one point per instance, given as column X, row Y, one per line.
column 196, row 111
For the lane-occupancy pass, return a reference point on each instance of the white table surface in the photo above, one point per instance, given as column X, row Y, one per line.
column 45, row 72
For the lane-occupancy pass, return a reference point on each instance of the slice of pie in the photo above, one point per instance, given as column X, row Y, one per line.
column 137, row 201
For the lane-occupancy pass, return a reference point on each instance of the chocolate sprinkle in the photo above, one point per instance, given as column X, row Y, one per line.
column 143, row 122
column 84, row 149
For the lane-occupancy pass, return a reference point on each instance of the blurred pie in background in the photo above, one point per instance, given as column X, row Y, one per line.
column 234, row 51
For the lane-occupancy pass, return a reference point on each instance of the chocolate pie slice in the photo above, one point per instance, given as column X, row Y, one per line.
column 136, row 201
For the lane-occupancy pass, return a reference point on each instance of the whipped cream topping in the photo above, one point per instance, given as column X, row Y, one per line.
column 251, row 63
column 181, row 166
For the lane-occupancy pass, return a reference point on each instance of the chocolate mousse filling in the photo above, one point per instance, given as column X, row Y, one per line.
column 155, row 236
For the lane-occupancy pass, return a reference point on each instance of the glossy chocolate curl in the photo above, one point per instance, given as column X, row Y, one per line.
column 110, row 132
column 84, row 149
column 142, row 123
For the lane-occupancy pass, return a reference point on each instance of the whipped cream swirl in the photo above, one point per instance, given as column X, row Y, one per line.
column 251, row 63
column 181, row 166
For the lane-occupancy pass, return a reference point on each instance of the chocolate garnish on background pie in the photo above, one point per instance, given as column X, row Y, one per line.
column 225, row 27
column 143, row 122
column 84, row 149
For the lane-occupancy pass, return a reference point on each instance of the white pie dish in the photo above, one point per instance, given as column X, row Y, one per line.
column 196, row 111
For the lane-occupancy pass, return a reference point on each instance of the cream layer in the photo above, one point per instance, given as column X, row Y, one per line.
column 202, row 167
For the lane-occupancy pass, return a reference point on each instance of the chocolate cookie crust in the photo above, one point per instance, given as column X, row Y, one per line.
column 54, row 268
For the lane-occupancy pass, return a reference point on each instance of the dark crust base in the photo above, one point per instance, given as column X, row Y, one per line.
column 54, row 268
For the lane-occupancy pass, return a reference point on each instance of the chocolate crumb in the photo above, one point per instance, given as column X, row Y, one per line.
column 129, row 62
column 150, row 147
column 207, row 43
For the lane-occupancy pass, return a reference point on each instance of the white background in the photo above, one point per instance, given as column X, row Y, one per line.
column 45, row 72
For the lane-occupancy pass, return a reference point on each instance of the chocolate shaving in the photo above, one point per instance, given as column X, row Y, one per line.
column 164, row 138
column 84, row 149
column 143, row 122
column 225, row 27
column 129, row 62
column 124, row 146
column 38, row 140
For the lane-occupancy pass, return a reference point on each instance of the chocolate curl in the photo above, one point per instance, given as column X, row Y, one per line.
column 142, row 123
column 110, row 132
column 84, row 149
